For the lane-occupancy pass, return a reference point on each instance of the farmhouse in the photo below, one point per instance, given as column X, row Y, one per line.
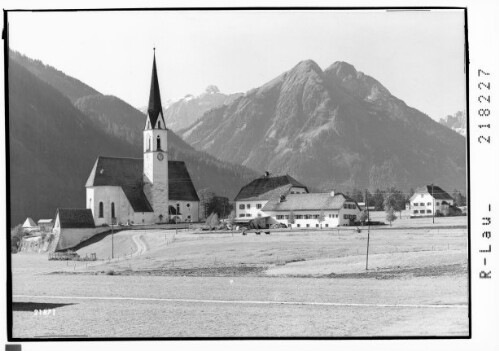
column 254, row 196
column 143, row 191
column 432, row 200
column 288, row 201
column 316, row 210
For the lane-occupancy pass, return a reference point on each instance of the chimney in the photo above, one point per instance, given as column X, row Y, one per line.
column 267, row 174
column 332, row 192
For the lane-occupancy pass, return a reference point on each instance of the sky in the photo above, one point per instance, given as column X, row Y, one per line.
column 418, row 55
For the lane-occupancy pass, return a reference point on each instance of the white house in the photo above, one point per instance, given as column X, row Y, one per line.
column 308, row 208
column 46, row 225
column 29, row 223
column 430, row 200
column 252, row 198
column 143, row 191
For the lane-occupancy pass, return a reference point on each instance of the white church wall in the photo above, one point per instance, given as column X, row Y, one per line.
column 124, row 212
column 187, row 208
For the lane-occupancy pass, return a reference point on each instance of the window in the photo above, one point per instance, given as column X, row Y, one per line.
column 345, row 206
column 327, row 225
column 178, row 208
column 101, row 209
column 421, row 204
column 279, row 217
column 308, row 225
column 159, row 124
column 158, row 143
column 317, row 226
column 428, row 211
column 428, row 203
column 248, row 215
column 292, row 192
column 289, row 225
column 148, row 144
column 259, row 206
column 248, row 206
column 298, row 225
column 188, row 205
column 241, row 206
column 316, row 216
column 113, row 215
column 415, row 204
column 416, row 211
column 438, row 204
column 299, row 216
column 241, row 215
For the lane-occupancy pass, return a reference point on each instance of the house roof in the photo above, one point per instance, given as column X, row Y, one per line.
column 75, row 218
column 154, row 109
column 437, row 192
column 128, row 173
column 29, row 222
column 180, row 182
column 308, row 202
column 266, row 188
column 45, row 221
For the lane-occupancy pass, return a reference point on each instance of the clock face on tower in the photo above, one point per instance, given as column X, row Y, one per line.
column 160, row 156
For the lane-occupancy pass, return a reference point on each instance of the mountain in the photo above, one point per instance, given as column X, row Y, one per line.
column 334, row 128
column 456, row 122
column 182, row 113
column 55, row 138
column 52, row 147
column 70, row 87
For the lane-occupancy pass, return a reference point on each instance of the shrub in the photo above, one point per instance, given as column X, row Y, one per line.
column 16, row 235
column 390, row 215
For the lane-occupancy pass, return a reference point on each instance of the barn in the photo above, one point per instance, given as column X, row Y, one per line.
column 71, row 227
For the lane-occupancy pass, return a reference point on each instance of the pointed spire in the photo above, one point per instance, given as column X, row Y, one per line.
column 154, row 108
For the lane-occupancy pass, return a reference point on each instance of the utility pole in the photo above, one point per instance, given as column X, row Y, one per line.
column 368, row 230
column 112, row 238
column 433, row 201
column 176, row 219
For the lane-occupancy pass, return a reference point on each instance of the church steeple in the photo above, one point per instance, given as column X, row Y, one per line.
column 155, row 149
column 154, row 109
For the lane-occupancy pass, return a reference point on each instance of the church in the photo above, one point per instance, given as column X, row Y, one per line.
column 143, row 191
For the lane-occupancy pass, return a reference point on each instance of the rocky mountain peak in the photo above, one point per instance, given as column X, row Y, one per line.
column 356, row 82
column 306, row 66
column 343, row 70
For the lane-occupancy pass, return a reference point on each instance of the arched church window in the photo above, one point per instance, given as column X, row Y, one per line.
column 148, row 144
column 159, row 124
column 158, row 143
column 112, row 210
column 148, row 125
column 101, row 209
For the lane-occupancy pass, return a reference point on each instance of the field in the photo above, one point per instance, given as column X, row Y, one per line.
column 298, row 283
